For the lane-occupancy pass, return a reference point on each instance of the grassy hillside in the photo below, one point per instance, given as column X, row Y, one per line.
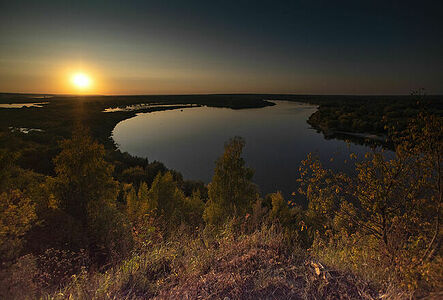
column 257, row 265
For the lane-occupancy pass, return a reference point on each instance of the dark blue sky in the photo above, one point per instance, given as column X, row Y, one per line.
column 138, row 47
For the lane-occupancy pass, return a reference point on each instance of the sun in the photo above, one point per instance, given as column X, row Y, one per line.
column 81, row 80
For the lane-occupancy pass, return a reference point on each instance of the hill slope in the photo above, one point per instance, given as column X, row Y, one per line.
column 260, row 265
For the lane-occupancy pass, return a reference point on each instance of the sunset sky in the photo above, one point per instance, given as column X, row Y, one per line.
column 176, row 47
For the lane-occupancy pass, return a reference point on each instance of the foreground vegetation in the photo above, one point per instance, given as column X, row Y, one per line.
column 79, row 219
column 249, row 265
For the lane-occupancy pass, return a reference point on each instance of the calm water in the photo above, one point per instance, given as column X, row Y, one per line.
column 190, row 140
column 23, row 105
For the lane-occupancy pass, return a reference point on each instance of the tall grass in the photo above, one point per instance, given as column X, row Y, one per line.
column 238, row 265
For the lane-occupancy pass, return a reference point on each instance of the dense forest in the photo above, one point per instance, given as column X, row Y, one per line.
column 79, row 219
column 376, row 115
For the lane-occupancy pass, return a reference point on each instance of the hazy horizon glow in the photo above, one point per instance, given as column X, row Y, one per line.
column 186, row 47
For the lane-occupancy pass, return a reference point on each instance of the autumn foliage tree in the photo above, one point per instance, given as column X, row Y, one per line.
column 389, row 213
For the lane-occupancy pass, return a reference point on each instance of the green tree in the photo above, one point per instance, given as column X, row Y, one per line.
column 85, row 189
column 231, row 191
column 165, row 199
column 83, row 175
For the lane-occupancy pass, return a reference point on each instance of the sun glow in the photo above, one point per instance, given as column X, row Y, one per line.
column 81, row 81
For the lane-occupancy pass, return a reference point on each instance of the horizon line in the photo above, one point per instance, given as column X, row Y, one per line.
column 203, row 94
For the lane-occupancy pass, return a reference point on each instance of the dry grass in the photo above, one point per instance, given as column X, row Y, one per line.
column 252, row 266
